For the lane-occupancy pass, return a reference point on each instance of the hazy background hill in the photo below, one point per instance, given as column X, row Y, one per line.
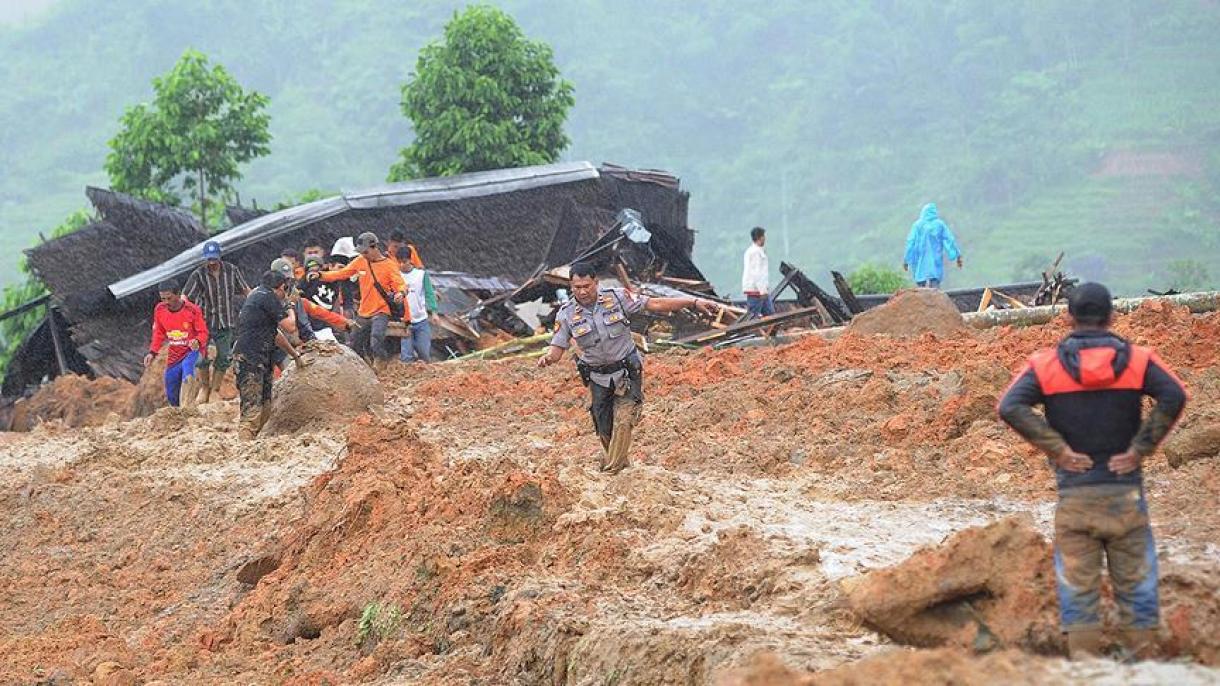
column 1087, row 126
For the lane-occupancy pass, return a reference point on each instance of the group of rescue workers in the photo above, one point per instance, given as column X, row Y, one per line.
column 349, row 294
column 1090, row 387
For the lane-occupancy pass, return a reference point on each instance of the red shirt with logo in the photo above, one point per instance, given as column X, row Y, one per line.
column 178, row 328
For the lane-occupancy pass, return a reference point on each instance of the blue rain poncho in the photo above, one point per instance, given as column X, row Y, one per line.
column 928, row 244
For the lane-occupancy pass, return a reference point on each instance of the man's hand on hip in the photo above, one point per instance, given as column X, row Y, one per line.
column 1125, row 463
column 1071, row 461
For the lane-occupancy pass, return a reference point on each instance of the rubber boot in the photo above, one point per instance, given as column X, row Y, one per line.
column 1084, row 644
column 1139, row 644
column 214, row 387
column 625, row 415
column 205, row 385
column 248, row 425
column 263, row 416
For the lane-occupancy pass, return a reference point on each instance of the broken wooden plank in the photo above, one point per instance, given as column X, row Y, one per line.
column 749, row 326
column 26, row 307
column 807, row 291
column 1013, row 302
column 986, row 301
column 846, row 294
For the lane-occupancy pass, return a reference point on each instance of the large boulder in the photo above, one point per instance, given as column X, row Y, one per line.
column 334, row 387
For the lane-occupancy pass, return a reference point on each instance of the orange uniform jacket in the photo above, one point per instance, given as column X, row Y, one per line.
column 316, row 311
column 387, row 274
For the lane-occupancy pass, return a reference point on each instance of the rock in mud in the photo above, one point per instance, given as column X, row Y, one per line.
column 335, row 387
column 983, row 588
column 911, row 313
column 1196, row 443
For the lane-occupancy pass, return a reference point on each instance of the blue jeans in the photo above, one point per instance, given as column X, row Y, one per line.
column 759, row 306
column 368, row 339
column 176, row 373
column 1105, row 526
column 419, row 345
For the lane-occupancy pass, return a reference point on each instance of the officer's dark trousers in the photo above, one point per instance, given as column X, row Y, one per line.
column 615, row 412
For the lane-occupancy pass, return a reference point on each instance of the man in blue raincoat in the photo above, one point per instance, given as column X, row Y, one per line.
column 928, row 244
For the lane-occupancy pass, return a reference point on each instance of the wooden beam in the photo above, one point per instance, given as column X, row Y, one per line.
column 25, row 307
column 986, row 301
column 748, row 326
column 846, row 294
column 60, row 359
column 808, row 291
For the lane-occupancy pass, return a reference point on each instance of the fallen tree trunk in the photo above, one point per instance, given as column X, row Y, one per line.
column 1032, row 316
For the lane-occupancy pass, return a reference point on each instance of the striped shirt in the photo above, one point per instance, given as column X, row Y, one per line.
column 220, row 295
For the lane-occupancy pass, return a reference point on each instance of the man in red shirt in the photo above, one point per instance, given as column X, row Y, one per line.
column 180, row 323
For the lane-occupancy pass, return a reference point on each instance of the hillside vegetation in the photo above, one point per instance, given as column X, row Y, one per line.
column 1091, row 127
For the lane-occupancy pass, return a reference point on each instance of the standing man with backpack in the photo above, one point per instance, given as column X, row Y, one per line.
column 382, row 296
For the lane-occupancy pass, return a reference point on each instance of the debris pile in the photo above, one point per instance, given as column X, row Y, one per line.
column 74, row 400
column 982, row 589
column 911, row 312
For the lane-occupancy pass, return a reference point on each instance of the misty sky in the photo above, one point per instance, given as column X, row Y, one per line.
column 16, row 10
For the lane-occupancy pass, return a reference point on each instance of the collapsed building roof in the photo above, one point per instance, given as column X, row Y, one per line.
column 500, row 223
column 129, row 235
column 498, row 228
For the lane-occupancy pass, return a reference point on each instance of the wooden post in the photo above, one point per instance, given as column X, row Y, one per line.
column 60, row 360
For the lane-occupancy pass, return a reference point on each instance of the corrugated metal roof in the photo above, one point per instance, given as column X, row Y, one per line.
column 471, row 185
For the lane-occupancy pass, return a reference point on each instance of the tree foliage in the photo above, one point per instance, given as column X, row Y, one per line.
column 872, row 279
column 1187, row 276
column 842, row 117
column 485, row 97
column 14, row 330
column 200, row 126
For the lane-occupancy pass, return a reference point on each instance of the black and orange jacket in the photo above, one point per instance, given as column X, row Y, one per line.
column 1092, row 386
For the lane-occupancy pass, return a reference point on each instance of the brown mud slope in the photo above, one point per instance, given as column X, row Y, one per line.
column 911, row 313
column 984, row 588
column 334, row 387
column 462, row 533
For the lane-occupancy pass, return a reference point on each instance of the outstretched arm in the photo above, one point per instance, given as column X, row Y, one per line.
column 662, row 305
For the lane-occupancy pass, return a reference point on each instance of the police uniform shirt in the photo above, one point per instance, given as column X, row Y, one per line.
column 601, row 330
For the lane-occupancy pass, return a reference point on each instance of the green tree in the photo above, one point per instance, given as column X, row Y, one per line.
column 1187, row 276
column 15, row 329
column 871, row 279
column 485, row 97
column 190, row 140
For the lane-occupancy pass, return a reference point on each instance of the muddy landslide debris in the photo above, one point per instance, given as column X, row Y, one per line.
column 911, row 312
column 984, row 588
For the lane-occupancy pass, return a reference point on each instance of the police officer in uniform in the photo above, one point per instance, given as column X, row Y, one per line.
column 597, row 320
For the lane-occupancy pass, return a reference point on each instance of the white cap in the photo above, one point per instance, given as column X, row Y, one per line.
column 344, row 247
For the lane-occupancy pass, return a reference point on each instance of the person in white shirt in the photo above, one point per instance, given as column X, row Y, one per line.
column 421, row 300
column 754, row 276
